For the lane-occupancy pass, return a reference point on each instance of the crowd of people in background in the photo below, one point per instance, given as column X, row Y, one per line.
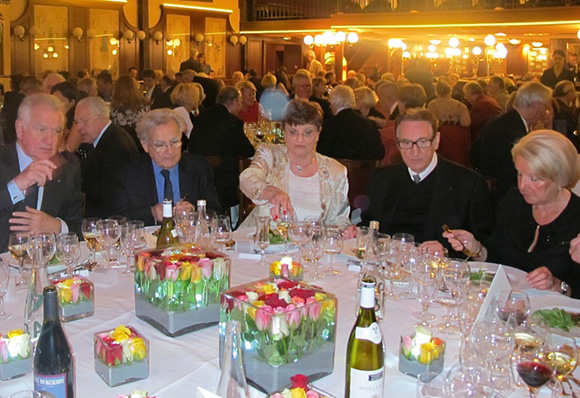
column 443, row 148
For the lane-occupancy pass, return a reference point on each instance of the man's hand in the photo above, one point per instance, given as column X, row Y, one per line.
column 157, row 212
column 33, row 221
column 37, row 172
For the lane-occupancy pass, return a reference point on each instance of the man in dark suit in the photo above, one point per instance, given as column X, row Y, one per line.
column 39, row 189
column 163, row 100
column 152, row 90
column 191, row 63
column 427, row 191
column 113, row 147
column 163, row 172
column 533, row 102
column 218, row 134
column 348, row 134
column 483, row 108
column 302, row 85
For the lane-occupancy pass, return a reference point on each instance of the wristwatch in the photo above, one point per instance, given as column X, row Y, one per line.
column 564, row 288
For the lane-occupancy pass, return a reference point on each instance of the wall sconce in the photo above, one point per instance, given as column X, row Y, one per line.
column 198, row 39
column 129, row 35
column 243, row 40
column 34, row 31
column 19, row 32
column 168, row 36
column 141, row 35
column 91, row 33
column 234, row 39
column 77, row 33
column 157, row 36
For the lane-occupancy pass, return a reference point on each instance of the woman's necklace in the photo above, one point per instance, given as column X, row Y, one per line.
column 299, row 168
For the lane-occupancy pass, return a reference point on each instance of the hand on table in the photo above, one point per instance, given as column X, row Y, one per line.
column 37, row 172
column 33, row 221
column 541, row 278
column 349, row 232
column 575, row 249
column 433, row 247
column 157, row 212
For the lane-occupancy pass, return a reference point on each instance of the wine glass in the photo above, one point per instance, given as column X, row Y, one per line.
column 430, row 385
column 68, row 250
column 535, row 367
column 332, row 246
column 405, row 244
column 135, row 241
column 89, row 230
column 107, row 234
column 185, row 217
column 563, row 357
column 17, row 244
column 362, row 236
column 47, row 242
column 262, row 236
column 223, row 231
column 316, row 251
column 513, row 303
column 427, row 275
column 4, row 281
column 468, row 382
column 456, row 275
column 283, row 223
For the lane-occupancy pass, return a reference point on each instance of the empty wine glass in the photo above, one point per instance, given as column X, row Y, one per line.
column 4, row 281
column 456, row 274
column 68, row 250
column 316, row 251
column 17, row 244
column 535, row 368
column 185, row 217
column 262, row 236
column 427, row 275
column 468, row 382
column 108, row 233
column 332, row 246
column 89, row 230
column 47, row 241
column 223, row 231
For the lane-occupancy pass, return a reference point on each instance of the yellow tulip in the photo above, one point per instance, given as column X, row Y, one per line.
column 298, row 393
column 185, row 271
column 139, row 348
column 15, row 332
column 268, row 288
column 195, row 273
column 121, row 333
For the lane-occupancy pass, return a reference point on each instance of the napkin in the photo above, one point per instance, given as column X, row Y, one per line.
column 203, row 393
column 500, row 282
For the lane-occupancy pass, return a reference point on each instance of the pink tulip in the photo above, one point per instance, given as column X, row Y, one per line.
column 292, row 315
column 263, row 315
column 172, row 271
column 74, row 289
column 206, row 267
column 3, row 350
column 312, row 394
column 314, row 307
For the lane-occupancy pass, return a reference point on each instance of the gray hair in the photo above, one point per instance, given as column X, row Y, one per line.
column 532, row 92
column 301, row 74
column 418, row 115
column 155, row 118
column 227, row 95
column 472, row 88
column 97, row 106
column 342, row 97
column 30, row 102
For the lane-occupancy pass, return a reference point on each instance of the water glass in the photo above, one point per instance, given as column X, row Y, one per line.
column 262, row 236
column 68, row 250
column 4, row 282
column 222, row 231
column 89, row 230
column 108, row 234
column 17, row 244
column 332, row 246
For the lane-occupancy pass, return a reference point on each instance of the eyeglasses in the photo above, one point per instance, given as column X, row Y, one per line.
column 421, row 143
column 159, row 146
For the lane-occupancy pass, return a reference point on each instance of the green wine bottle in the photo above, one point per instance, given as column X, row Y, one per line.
column 365, row 354
column 167, row 233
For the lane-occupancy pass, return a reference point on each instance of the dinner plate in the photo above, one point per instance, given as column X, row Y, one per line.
column 574, row 331
column 52, row 268
column 517, row 277
column 272, row 249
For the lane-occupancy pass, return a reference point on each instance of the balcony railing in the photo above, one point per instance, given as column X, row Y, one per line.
column 268, row 10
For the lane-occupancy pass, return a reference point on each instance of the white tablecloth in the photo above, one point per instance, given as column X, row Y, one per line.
column 179, row 365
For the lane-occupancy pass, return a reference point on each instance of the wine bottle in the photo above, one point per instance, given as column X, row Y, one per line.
column 34, row 294
column 365, row 355
column 201, row 227
column 167, row 233
column 53, row 364
column 232, row 383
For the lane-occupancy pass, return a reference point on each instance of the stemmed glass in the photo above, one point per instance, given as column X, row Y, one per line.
column 456, row 275
column 185, row 217
column 427, row 275
column 513, row 303
column 132, row 240
column 108, row 233
column 262, row 236
column 332, row 246
column 4, row 281
column 535, row 367
column 222, row 232
column 68, row 250
column 17, row 244
column 47, row 241
column 405, row 244
column 563, row 357
column 283, row 223
column 317, row 250
column 89, row 229
column 298, row 234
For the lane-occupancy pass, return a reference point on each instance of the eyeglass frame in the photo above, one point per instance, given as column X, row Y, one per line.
column 423, row 141
column 159, row 146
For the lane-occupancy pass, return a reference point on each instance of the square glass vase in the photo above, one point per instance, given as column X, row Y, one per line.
column 15, row 368
column 76, row 298
column 177, row 288
column 111, row 363
column 412, row 367
column 288, row 267
column 282, row 342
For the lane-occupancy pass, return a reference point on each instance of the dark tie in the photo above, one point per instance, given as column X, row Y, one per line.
column 31, row 199
column 167, row 187
column 416, row 178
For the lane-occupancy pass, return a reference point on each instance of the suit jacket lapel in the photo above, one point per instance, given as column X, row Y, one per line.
column 438, row 200
column 149, row 181
column 392, row 194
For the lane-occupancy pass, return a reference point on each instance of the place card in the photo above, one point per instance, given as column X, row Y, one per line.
column 500, row 283
column 203, row 393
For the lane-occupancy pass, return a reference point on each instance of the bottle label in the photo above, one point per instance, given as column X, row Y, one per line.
column 371, row 333
column 367, row 383
column 51, row 385
column 174, row 233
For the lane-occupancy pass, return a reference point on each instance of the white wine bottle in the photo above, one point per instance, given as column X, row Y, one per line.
column 167, row 233
column 365, row 353
column 53, row 364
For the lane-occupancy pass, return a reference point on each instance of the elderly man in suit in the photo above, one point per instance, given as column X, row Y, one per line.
column 39, row 190
column 427, row 191
column 163, row 172
column 302, row 85
column 113, row 147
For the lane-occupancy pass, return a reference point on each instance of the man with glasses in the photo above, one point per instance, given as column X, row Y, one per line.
column 302, row 85
column 163, row 172
column 426, row 191
column 112, row 148
column 39, row 190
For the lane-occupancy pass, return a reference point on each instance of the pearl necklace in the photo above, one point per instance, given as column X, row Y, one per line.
column 299, row 168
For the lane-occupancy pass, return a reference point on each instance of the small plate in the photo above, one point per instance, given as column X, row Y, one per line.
column 517, row 277
column 272, row 249
column 575, row 330
column 52, row 268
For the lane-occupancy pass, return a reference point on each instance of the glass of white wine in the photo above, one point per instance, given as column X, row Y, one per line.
column 332, row 246
column 222, row 231
column 283, row 223
column 563, row 356
column 17, row 245
column 262, row 236
column 89, row 229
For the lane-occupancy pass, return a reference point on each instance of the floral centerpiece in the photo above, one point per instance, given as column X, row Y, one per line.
column 288, row 327
column 287, row 268
column 300, row 388
column 75, row 298
column 421, row 352
column 135, row 394
column 121, row 355
column 177, row 288
column 15, row 354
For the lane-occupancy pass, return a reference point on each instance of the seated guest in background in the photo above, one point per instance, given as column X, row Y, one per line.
column 302, row 85
column 565, row 121
column 483, row 108
column 496, row 89
column 537, row 221
column 251, row 109
column 387, row 103
column 492, row 155
column 211, row 87
column 105, row 85
column 88, row 87
column 29, row 85
column 51, row 80
column 295, row 178
column 186, row 96
column 218, row 134
column 274, row 98
column 366, row 100
column 39, row 190
column 69, row 95
column 167, row 84
column 446, row 109
column 152, row 90
column 319, row 87
column 348, row 134
column 112, row 148
column 163, row 172
column 128, row 106
column 427, row 191
column 237, row 77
